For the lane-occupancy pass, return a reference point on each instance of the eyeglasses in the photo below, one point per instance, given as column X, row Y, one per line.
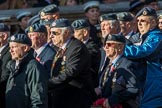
column 110, row 44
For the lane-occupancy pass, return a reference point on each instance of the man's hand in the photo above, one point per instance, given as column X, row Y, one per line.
column 106, row 104
column 98, row 91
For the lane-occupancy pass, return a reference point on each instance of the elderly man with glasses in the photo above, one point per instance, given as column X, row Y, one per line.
column 71, row 82
column 118, row 82
column 148, row 49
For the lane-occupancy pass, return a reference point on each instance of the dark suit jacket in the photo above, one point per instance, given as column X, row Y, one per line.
column 95, row 59
column 123, row 88
column 72, row 79
column 5, row 56
column 46, row 57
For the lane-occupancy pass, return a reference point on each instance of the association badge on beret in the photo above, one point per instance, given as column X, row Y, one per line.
column 42, row 14
column 31, row 29
column 53, row 24
column 13, row 38
column 110, row 37
column 145, row 12
column 101, row 19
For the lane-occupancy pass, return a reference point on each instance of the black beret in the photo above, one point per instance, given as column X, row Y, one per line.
column 79, row 24
column 62, row 22
column 33, row 20
column 91, row 4
column 159, row 16
column 22, row 14
column 110, row 16
column 146, row 11
column 36, row 28
column 134, row 4
column 116, row 38
column 125, row 16
column 4, row 27
column 50, row 9
column 20, row 38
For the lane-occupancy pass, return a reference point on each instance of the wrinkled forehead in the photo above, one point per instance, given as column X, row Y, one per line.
column 144, row 17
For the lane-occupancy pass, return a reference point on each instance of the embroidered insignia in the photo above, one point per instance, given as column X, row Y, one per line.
column 31, row 29
column 13, row 38
column 53, row 24
column 101, row 19
column 110, row 37
column 42, row 14
column 145, row 12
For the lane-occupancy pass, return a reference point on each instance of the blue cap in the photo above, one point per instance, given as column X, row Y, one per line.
column 116, row 38
column 36, row 28
column 4, row 27
column 147, row 11
column 134, row 4
column 79, row 24
column 33, row 20
column 160, row 16
column 110, row 16
column 23, row 14
column 125, row 16
column 20, row 38
column 91, row 4
column 50, row 9
column 62, row 22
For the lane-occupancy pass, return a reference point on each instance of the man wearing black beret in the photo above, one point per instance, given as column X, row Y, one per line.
column 23, row 18
column 109, row 25
column 71, row 76
column 82, row 33
column 148, row 50
column 50, row 12
column 128, row 24
column 42, row 51
column 152, row 3
column 5, row 56
column 27, row 82
column 118, row 81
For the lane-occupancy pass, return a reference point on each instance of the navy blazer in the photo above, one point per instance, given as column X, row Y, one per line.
column 46, row 57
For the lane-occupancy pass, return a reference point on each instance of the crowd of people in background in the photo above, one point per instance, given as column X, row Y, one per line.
column 111, row 60
column 20, row 4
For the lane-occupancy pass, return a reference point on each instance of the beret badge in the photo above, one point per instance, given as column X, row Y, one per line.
column 145, row 12
column 101, row 19
column 42, row 14
column 53, row 24
column 13, row 38
column 31, row 29
column 110, row 37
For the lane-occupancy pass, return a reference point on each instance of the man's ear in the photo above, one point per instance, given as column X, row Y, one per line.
column 5, row 36
column 26, row 48
column 85, row 32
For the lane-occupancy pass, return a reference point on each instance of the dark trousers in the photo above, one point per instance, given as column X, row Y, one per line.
column 67, row 96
